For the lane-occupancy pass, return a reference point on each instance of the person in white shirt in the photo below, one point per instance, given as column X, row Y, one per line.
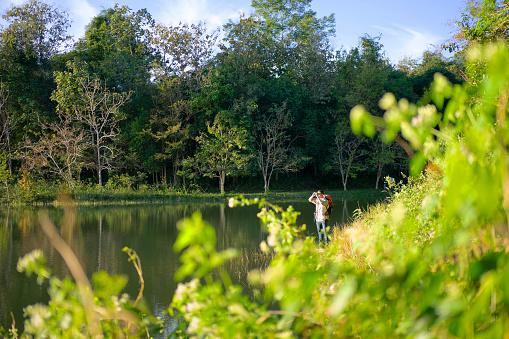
column 321, row 205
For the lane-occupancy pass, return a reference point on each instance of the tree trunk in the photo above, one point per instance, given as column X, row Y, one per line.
column 175, row 176
column 378, row 175
column 99, row 164
column 344, row 179
column 221, row 181
column 345, row 176
column 70, row 175
column 266, row 181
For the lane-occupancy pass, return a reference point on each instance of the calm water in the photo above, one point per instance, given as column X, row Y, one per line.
column 98, row 234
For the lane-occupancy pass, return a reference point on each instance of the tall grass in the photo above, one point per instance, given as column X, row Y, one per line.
column 399, row 219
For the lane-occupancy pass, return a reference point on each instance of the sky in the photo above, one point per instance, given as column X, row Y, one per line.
column 406, row 28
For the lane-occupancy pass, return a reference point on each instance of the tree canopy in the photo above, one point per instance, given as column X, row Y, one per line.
column 271, row 73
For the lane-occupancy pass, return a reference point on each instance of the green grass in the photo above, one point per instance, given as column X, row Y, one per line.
column 94, row 195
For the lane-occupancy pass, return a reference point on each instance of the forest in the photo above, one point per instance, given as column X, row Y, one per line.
column 234, row 108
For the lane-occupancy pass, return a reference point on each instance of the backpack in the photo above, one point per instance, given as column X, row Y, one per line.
column 331, row 205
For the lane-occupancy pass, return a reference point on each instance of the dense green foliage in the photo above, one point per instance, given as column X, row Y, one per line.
column 432, row 261
column 132, row 96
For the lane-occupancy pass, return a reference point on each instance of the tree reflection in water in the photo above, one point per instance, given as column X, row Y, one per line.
column 98, row 234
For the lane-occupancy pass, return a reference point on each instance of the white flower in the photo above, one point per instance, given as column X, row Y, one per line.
column 66, row 321
column 271, row 240
column 417, row 120
column 264, row 247
column 194, row 325
column 180, row 291
column 193, row 306
column 38, row 315
column 193, row 284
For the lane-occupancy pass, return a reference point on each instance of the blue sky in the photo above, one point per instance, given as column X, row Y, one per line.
column 406, row 27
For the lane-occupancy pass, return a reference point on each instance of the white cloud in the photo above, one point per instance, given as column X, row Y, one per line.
column 403, row 41
column 15, row 3
column 81, row 12
column 194, row 11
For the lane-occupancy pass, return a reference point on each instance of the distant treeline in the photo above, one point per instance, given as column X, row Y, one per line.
column 139, row 102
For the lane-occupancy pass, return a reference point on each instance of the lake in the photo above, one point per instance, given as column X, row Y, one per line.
column 98, row 234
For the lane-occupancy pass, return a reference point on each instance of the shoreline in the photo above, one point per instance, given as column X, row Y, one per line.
column 134, row 197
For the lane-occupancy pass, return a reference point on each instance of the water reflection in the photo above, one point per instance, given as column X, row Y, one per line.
column 98, row 234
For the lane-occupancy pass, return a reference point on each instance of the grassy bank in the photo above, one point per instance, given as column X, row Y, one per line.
column 93, row 195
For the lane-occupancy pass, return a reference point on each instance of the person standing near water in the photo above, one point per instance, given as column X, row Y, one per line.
column 321, row 205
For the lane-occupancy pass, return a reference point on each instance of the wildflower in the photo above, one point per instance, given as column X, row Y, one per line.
column 194, row 325
column 193, row 284
column 193, row 306
column 180, row 292
column 271, row 240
